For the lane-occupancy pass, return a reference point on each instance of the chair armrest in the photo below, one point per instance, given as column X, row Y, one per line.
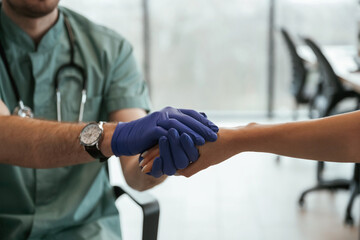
column 150, row 207
column 340, row 97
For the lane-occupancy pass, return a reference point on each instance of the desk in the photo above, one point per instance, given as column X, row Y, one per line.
column 341, row 58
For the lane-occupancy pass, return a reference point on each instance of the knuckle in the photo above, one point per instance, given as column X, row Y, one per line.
column 156, row 114
column 171, row 122
column 163, row 140
column 168, row 108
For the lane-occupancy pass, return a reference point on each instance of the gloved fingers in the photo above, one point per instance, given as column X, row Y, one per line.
column 151, row 140
column 180, row 158
column 165, row 155
column 204, row 114
column 182, row 128
column 206, row 132
column 201, row 117
column 189, row 147
column 159, row 132
column 148, row 141
column 156, row 170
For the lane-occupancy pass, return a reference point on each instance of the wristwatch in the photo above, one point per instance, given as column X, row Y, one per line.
column 90, row 137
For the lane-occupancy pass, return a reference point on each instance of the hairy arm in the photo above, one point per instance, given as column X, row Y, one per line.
column 38, row 143
column 134, row 177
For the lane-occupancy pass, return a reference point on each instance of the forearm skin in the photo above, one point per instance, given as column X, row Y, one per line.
column 335, row 139
column 41, row 144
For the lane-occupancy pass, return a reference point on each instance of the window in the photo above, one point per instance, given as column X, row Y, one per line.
column 212, row 55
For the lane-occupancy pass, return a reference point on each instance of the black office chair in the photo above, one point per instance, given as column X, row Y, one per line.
column 329, row 94
column 149, row 205
column 299, row 74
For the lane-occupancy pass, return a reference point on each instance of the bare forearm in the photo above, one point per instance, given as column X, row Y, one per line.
column 137, row 179
column 329, row 139
column 40, row 144
column 334, row 139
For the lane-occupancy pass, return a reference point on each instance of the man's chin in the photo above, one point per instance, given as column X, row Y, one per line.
column 35, row 15
column 33, row 8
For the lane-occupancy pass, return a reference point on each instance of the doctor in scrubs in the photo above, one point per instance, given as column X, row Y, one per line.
column 60, row 76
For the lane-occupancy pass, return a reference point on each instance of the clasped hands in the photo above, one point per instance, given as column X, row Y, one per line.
column 168, row 139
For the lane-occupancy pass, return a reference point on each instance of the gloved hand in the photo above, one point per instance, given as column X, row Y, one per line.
column 137, row 136
column 176, row 152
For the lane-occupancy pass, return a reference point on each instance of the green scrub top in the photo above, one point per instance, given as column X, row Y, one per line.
column 73, row 202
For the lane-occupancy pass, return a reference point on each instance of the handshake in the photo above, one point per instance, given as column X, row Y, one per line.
column 167, row 140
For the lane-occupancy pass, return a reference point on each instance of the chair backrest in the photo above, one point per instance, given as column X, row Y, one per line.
column 299, row 71
column 329, row 80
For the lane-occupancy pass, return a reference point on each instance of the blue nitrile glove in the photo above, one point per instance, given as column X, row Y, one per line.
column 137, row 136
column 176, row 152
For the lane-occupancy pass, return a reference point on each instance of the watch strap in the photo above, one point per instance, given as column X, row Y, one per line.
column 96, row 153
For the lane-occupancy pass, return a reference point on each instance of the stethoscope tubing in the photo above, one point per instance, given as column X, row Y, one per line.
column 24, row 111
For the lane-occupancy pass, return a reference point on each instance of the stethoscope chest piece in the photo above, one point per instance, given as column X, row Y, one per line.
column 23, row 111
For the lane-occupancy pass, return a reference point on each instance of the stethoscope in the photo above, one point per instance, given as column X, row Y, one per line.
column 24, row 111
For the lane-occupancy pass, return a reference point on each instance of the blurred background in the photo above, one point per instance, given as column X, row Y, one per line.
column 204, row 51
column 213, row 56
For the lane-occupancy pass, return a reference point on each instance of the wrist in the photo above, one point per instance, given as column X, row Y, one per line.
column 256, row 137
column 105, row 145
column 244, row 138
column 232, row 140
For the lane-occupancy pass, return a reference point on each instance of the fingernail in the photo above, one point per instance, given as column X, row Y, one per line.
column 145, row 169
column 141, row 163
column 144, row 154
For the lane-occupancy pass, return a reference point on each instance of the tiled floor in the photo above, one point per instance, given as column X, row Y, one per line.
column 248, row 197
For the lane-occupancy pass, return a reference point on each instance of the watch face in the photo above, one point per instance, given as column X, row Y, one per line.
column 90, row 134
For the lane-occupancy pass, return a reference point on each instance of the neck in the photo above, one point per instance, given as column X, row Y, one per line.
column 36, row 28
